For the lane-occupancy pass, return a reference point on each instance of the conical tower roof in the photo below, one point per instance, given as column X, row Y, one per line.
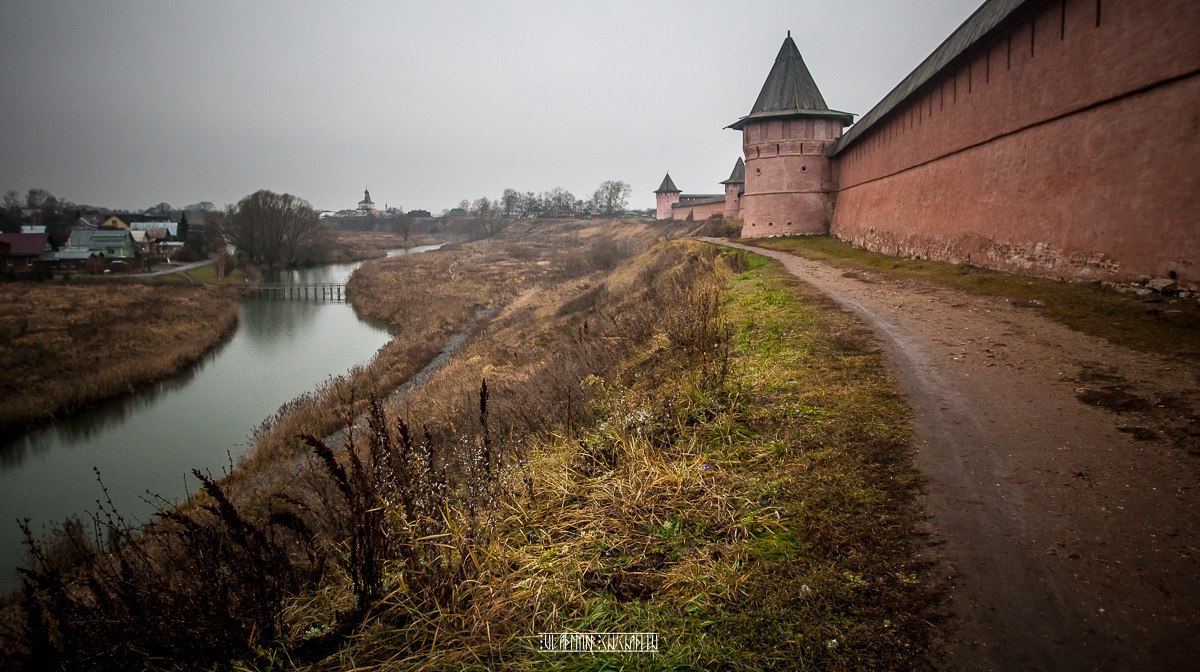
column 738, row 176
column 790, row 91
column 667, row 186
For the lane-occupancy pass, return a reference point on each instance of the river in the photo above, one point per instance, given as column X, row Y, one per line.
column 151, row 440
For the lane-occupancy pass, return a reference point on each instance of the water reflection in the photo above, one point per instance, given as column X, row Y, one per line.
column 76, row 431
column 151, row 440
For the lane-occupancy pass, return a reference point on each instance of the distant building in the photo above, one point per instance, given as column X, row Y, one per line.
column 19, row 251
column 112, row 243
column 674, row 204
column 160, row 228
column 366, row 206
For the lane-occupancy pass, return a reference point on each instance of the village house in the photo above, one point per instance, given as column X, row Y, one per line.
column 102, row 245
column 20, row 251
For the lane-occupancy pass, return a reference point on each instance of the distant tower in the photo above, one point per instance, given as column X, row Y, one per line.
column 367, row 206
column 734, row 187
column 667, row 196
column 789, row 179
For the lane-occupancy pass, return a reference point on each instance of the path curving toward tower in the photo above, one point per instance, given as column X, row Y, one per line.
column 1061, row 478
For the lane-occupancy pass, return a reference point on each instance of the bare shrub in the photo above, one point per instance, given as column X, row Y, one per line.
column 199, row 587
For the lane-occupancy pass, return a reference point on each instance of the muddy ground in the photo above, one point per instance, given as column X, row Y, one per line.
column 1060, row 479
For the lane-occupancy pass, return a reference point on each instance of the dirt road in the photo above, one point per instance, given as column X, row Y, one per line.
column 1060, row 479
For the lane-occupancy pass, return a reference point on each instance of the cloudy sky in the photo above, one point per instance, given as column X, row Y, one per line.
column 125, row 104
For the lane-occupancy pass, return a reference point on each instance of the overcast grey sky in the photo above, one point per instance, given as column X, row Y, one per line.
column 125, row 104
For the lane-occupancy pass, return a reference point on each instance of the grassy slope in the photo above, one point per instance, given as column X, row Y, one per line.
column 733, row 476
column 756, row 520
column 1151, row 324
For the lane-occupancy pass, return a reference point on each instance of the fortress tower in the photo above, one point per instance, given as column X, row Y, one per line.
column 734, row 186
column 789, row 181
column 666, row 195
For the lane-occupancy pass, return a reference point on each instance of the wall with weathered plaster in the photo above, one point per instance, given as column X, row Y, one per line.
column 733, row 201
column 699, row 212
column 789, row 179
column 665, row 200
column 1066, row 145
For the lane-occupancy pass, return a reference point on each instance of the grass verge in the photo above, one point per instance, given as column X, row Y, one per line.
column 743, row 489
column 1148, row 323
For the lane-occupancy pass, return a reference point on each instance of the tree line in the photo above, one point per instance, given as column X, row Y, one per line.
column 609, row 200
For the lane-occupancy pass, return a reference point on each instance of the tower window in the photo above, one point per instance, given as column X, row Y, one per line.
column 804, row 169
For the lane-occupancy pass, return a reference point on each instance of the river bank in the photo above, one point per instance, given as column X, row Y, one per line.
column 64, row 348
column 677, row 442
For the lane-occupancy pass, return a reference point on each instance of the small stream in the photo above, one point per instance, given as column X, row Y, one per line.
column 199, row 418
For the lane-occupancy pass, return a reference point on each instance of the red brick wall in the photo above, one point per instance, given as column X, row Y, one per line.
column 664, row 201
column 1058, row 147
column 700, row 212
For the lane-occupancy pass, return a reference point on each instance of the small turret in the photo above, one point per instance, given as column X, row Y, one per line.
column 734, row 186
column 666, row 195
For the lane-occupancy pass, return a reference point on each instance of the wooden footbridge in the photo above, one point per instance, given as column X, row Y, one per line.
column 324, row 291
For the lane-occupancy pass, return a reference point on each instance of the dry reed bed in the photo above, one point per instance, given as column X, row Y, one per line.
column 64, row 347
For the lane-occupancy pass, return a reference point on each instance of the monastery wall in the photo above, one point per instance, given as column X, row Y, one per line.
column 699, row 212
column 1064, row 145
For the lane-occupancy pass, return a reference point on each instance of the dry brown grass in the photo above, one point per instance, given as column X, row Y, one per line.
column 63, row 347
column 426, row 299
column 347, row 246
column 652, row 453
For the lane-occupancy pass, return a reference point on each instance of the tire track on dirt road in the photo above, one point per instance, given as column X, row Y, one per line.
column 1067, row 543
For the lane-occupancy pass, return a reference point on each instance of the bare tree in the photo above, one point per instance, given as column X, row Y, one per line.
column 610, row 198
column 560, row 202
column 530, row 205
column 274, row 229
column 10, row 212
column 510, row 202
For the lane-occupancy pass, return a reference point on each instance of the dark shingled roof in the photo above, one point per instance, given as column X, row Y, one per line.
column 25, row 244
column 738, row 176
column 789, row 91
column 667, row 186
column 688, row 200
column 977, row 26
